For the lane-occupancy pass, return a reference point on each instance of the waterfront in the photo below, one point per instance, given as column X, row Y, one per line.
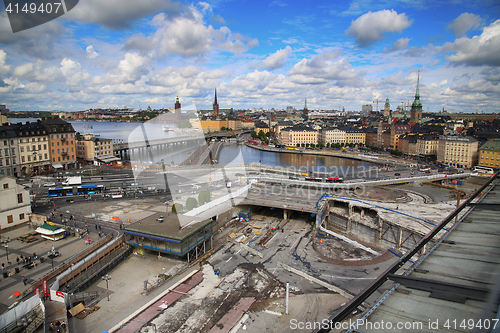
column 131, row 132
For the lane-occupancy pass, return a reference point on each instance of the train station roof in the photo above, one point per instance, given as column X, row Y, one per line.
column 167, row 225
column 454, row 286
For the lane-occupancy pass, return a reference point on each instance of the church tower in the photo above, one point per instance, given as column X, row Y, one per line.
column 305, row 111
column 215, row 107
column 416, row 107
column 177, row 109
column 387, row 107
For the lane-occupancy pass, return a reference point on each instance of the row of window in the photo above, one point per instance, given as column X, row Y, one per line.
column 65, row 157
column 10, row 218
column 23, row 159
column 62, row 143
column 64, row 151
column 32, row 140
column 7, row 161
column 492, row 157
column 33, row 148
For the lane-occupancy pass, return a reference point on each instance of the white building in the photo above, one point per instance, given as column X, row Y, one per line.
column 15, row 206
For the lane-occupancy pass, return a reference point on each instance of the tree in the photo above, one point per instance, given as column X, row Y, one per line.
column 327, row 144
column 313, row 145
column 253, row 135
column 307, row 144
column 204, row 196
column 222, row 128
column 298, row 145
column 268, row 134
column 302, row 145
column 177, row 207
column 191, row 203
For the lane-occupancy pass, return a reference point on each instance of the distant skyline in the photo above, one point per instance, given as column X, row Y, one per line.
column 258, row 54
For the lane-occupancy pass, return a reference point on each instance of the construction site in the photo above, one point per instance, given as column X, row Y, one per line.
column 251, row 268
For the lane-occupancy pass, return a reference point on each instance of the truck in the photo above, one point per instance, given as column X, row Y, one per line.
column 77, row 180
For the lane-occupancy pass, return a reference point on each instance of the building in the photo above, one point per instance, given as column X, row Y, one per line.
column 90, row 148
column 298, row 135
column 427, row 145
column 416, row 107
column 371, row 136
column 15, row 206
column 458, row 151
column 354, row 136
column 396, row 131
column 387, row 108
column 174, row 117
column 62, row 143
column 176, row 234
column 408, row 144
column 332, row 135
column 33, row 148
column 215, row 106
column 489, row 154
column 261, row 126
column 367, row 108
column 9, row 157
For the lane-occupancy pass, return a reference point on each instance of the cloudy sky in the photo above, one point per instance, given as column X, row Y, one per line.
column 270, row 54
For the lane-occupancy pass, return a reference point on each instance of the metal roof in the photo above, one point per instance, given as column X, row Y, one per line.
column 452, row 288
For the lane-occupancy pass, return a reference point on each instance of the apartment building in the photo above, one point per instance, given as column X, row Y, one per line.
column 88, row 147
column 9, row 159
column 489, row 154
column 33, row 148
column 300, row 134
column 62, row 143
column 15, row 206
column 460, row 151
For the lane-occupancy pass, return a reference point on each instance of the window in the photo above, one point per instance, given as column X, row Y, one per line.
column 5, row 143
column 12, row 151
column 44, row 146
column 13, row 161
column 23, row 159
column 5, row 186
column 21, row 149
column 58, row 143
column 45, row 156
column 11, row 142
column 6, row 151
column 29, row 158
column 59, row 159
column 20, row 198
column 53, row 159
column 39, row 147
column 52, row 143
column 10, row 219
column 58, row 150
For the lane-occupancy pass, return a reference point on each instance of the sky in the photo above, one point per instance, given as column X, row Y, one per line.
column 257, row 54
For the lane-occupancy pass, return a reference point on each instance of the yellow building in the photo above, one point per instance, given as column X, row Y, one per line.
column 215, row 124
column 427, row 145
column 88, row 147
column 355, row 136
column 329, row 135
column 460, row 151
column 489, row 154
column 292, row 136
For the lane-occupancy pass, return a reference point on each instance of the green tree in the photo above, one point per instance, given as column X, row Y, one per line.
column 177, row 207
column 303, row 144
column 191, row 203
column 298, row 145
column 204, row 196
column 307, row 144
column 268, row 134
column 222, row 128
column 313, row 145
column 253, row 134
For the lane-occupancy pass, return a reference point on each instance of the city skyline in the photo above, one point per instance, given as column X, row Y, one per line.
column 262, row 55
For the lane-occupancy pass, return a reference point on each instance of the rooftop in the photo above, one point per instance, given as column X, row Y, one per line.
column 170, row 227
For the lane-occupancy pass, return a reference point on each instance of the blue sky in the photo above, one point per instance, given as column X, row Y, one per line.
column 262, row 54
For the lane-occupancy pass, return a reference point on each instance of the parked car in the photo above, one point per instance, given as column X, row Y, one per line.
column 397, row 174
column 49, row 184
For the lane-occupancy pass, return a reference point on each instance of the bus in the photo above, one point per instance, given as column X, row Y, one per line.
column 481, row 169
column 60, row 191
column 90, row 189
column 334, row 180
column 313, row 179
column 253, row 142
column 443, row 165
column 425, row 167
column 291, row 147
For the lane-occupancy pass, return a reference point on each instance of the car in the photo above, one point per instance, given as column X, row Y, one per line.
column 397, row 174
column 239, row 174
column 49, row 184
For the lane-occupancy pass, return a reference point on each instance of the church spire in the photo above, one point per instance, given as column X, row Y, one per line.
column 305, row 104
column 417, row 94
column 215, row 99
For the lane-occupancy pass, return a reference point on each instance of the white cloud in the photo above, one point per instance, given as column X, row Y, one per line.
column 464, row 23
column 478, row 50
column 370, row 27
column 277, row 59
column 321, row 69
column 69, row 67
column 23, row 69
column 119, row 14
column 188, row 36
column 400, row 44
column 290, row 41
column 4, row 68
column 91, row 54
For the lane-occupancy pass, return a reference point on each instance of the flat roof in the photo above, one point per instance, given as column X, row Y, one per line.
column 452, row 285
column 170, row 227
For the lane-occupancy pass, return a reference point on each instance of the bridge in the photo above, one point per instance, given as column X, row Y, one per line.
column 166, row 145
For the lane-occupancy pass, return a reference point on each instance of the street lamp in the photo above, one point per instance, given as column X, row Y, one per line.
column 7, row 251
column 107, row 278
